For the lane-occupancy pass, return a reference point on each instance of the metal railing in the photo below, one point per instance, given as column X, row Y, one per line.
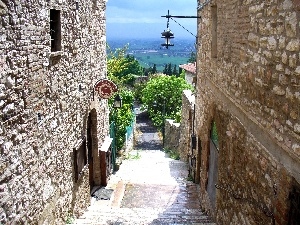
column 112, row 132
column 129, row 129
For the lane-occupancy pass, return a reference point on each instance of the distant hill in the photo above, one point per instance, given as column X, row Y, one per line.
column 149, row 51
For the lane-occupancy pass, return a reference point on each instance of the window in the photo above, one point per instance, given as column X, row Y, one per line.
column 80, row 158
column 55, row 30
column 214, row 23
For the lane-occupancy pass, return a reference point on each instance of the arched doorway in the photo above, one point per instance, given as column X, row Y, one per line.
column 213, row 164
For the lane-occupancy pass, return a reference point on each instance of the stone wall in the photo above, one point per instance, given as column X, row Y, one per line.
column 186, row 124
column 190, row 72
column 178, row 135
column 248, row 84
column 46, row 101
column 172, row 135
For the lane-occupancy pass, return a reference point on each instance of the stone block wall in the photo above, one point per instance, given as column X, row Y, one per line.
column 249, row 85
column 172, row 135
column 46, row 99
column 178, row 135
column 186, row 124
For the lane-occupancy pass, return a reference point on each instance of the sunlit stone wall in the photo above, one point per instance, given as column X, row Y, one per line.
column 45, row 100
column 248, row 83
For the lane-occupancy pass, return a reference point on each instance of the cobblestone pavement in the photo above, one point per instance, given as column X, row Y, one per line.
column 149, row 188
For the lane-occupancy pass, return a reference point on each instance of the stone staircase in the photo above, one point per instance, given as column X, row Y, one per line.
column 139, row 216
column 151, row 190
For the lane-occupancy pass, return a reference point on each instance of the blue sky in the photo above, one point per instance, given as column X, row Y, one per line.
column 142, row 19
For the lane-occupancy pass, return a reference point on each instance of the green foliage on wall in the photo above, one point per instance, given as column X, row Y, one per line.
column 162, row 97
column 122, row 116
column 122, row 70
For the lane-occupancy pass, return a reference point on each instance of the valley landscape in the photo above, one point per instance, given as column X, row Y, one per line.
column 149, row 51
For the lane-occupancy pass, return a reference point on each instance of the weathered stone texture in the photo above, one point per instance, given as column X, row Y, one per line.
column 45, row 100
column 251, row 90
column 186, row 125
column 178, row 135
column 172, row 135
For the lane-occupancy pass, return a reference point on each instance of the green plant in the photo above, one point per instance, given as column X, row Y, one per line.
column 123, row 116
column 172, row 153
column 162, row 97
column 178, row 117
column 190, row 178
column 120, row 64
column 70, row 219
column 132, row 155
column 138, row 88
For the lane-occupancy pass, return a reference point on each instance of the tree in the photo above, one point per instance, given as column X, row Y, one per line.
column 192, row 58
column 179, row 71
column 162, row 97
column 165, row 71
column 119, row 64
column 175, row 73
column 154, row 70
column 133, row 65
column 169, row 70
column 147, row 71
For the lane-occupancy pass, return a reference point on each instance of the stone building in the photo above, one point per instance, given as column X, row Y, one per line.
column 190, row 72
column 52, row 125
column 248, row 110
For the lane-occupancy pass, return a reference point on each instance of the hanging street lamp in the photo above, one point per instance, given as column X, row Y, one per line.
column 168, row 34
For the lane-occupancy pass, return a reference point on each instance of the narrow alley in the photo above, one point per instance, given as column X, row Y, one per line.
column 149, row 188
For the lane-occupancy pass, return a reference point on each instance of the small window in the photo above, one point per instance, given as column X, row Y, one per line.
column 55, row 30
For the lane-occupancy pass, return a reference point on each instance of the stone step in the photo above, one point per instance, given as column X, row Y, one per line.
column 149, row 210
column 142, row 216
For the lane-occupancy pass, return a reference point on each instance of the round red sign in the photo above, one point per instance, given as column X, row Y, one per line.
column 105, row 88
